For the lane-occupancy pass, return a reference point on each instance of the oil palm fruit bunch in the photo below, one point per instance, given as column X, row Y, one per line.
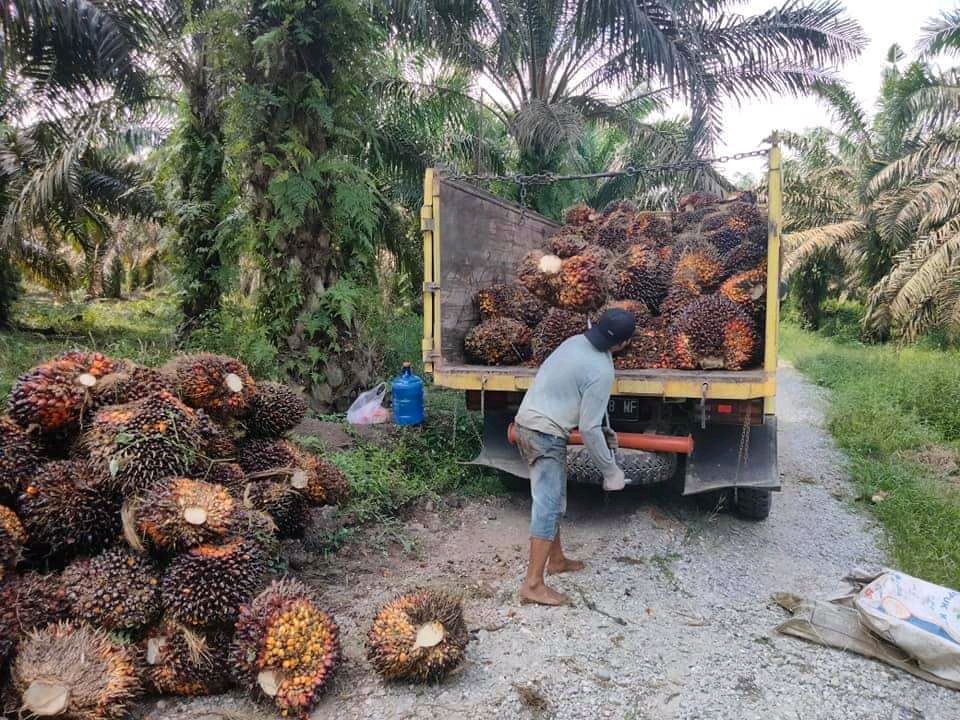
column 68, row 508
column 724, row 239
column 638, row 309
column 52, row 396
column 557, row 326
column 216, row 442
column 286, row 648
column 285, row 505
column 32, row 600
column 510, row 301
column 636, row 275
column 539, row 273
column 583, row 283
column 567, row 243
column 579, row 215
column 612, row 231
column 677, row 300
column 748, row 290
column 712, row 333
column 682, row 220
column 206, row 585
column 696, row 201
column 219, row 385
column 650, row 347
column 419, row 636
column 12, row 539
column 75, row 672
column 649, row 228
column 228, row 474
column 697, row 269
column 145, row 441
column 499, row 341
column 184, row 662
column 19, row 456
column 744, row 257
column 275, row 410
column 258, row 529
column 179, row 513
column 318, row 480
column 743, row 215
column 127, row 382
column 117, row 590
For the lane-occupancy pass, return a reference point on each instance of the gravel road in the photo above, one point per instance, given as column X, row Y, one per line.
column 673, row 617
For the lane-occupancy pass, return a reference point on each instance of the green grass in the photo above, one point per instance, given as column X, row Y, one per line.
column 897, row 416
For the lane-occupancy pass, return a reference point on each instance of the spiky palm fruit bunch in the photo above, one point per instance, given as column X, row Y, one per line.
column 557, row 326
column 649, row 347
column 714, row 333
column 32, row 600
column 612, row 232
column 744, row 257
column 539, row 273
column 53, row 396
column 677, row 300
column 12, row 539
column 258, row 529
column 583, row 283
column 206, row 585
column 180, row 513
column 500, row 341
column 649, row 228
column 275, row 410
column 567, row 243
column 419, row 636
column 318, row 480
column 68, row 508
column 145, row 441
column 638, row 309
column 510, row 301
column 748, row 290
column 744, row 215
column 181, row 661
column 117, row 590
column 636, row 275
column 76, row 673
column 623, row 207
column 219, row 385
column 286, row 648
column 128, row 382
column 725, row 239
column 285, row 505
column 697, row 270
column 19, row 456
column 579, row 215
column 696, row 201
column 681, row 220
column 228, row 474
column 216, row 441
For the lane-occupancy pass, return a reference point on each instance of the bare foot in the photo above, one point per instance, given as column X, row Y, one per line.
column 542, row 595
column 563, row 566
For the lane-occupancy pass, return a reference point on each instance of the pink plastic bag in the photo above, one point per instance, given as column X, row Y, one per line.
column 368, row 408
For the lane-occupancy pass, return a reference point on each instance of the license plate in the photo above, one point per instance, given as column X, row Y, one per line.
column 624, row 408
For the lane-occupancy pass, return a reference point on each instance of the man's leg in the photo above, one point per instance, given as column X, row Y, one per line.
column 557, row 562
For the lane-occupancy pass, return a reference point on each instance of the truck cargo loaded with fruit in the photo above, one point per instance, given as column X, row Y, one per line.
column 694, row 399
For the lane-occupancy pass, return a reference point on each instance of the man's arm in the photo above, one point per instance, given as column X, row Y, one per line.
column 593, row 407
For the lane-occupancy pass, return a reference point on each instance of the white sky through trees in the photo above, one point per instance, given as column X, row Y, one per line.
column 883, row 21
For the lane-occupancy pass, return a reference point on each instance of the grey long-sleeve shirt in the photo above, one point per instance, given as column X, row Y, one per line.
column 571, row 390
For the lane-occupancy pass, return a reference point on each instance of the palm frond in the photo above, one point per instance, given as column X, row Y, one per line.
column 800, row 246
column 942, row 34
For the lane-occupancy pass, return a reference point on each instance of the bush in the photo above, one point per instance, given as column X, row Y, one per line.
column 113, row 287
column 9, row 288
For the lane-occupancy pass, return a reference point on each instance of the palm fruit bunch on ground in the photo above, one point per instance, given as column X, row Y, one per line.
column 275, row 410
column 32, row 600
column 218, row 385
column 19, row 456
column 179, row 513
column 286, row 648
column 512, row 301
column 118, row 590
column 318, row 480
column 128, row 382
column 185, row 662
column 419, row 636
column 12, row 539
column 75, row 672
column 713, row 333
column 499, row 341
column 668, row 261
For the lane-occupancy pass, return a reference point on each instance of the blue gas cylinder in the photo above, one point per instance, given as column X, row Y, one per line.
column 407, row 392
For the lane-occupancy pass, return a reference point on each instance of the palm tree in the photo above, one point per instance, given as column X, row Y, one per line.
column 549, row 68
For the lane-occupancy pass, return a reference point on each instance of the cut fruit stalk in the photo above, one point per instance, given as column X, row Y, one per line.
column 154, row 647
column 269, row 682
column 429, row 635
column 195, row 515
column 233, row 382
column 299, row 479
column 46, row 699
column 87, row 380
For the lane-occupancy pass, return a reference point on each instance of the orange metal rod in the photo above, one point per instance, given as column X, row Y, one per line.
column 682, row 444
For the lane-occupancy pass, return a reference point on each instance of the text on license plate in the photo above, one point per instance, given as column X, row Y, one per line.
column 624, row 408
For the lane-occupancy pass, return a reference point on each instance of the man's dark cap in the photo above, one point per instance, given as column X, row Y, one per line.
column 614, row 327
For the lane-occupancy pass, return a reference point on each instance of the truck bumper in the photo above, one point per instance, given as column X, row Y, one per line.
column 716, row 449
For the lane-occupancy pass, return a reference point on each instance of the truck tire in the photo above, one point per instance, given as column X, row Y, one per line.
column 641, row 468
column 754, row 503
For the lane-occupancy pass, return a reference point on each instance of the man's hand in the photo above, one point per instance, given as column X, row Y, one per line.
column 615, row 481
column 611, row 437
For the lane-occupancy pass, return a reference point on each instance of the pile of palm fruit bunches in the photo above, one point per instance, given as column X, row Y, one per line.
column 141, row 513
column 695, row 278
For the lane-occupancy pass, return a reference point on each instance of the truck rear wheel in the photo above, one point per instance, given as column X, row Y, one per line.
column 753, row 503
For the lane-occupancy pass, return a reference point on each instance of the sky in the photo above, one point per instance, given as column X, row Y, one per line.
column 884, row 22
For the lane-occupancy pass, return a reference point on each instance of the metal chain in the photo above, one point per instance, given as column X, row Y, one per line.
column 744, row 443
column 548, row 178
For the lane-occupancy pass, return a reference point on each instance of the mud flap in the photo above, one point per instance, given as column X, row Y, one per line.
column 713, row 463
column 497, row 452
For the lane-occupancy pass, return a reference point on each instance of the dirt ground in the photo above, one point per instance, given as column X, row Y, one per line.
column 673, row 617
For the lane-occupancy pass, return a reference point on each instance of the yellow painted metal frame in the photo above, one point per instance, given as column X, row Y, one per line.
column 658, row 383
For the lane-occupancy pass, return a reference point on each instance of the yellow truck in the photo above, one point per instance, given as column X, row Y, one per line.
column 473, row 239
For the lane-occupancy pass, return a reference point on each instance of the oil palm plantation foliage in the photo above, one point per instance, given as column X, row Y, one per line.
column 873, row 202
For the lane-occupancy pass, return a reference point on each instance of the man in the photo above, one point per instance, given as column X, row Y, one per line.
column 571, row 390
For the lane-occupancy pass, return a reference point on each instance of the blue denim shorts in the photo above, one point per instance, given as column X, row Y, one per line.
column 547, row 457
